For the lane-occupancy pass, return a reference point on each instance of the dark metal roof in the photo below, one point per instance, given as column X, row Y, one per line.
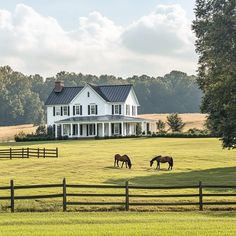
column 64, row 97
column 110, row 93
column 107, row 118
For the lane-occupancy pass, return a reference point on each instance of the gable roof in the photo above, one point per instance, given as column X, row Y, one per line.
column 110, row 93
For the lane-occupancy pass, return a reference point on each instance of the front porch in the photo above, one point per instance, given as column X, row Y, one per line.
column 79, row 128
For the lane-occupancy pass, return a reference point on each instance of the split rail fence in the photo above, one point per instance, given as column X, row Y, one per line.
column 65, row 195
column 28, row 152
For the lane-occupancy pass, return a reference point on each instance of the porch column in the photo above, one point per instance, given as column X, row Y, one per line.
column 144, row 128
column 55, row 131
column 78, row 130
column 71, row 130
column 96, row 129
column 122, row 128
column 109, row 129
column 102, row 130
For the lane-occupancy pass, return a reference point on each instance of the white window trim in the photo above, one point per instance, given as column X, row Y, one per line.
column 117, row 106
column 77, row 106
column 65, row 110
column 57, row 111
column 92, row 106
column 127, row 110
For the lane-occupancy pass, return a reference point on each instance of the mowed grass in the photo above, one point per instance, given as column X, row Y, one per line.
column 91, row 162
column 118, row 223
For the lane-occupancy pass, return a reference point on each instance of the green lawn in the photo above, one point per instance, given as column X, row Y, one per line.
column 91, row 161
column 118, row 223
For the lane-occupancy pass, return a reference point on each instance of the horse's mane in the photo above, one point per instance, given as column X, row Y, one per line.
column 154, row 158
column 129, row 161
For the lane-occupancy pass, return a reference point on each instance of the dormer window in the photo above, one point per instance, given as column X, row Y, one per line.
column 88, row 94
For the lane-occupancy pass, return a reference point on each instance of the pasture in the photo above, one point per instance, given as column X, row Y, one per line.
column 91, row 162
column 119, row 223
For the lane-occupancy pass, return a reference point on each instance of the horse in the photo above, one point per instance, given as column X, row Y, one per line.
column 123, row 158
column 162, row 159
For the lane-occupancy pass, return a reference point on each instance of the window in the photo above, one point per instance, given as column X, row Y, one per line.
column 116, row 128
column 88, row 94
column 65, row 111
column 91, row 129
column 77, row 110
column 75, row 129
column 117, row 109
column 128, row 110
column 92, row 109
column 57, row 111
column 133, row 111
column 66, row 130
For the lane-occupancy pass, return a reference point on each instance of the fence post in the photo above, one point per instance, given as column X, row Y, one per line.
column 12, row 196
column 27, row 152
column 64, row 194
column 200, row 196
column 127, row 195
column 56, row 152
column 44, row 153
column 10, row 153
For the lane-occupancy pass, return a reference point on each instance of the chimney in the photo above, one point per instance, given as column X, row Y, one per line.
column 59, row 85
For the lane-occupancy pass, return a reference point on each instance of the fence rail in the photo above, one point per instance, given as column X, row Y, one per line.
column 28, row 152
column 65, row 196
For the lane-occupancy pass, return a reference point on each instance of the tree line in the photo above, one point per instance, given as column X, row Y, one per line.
column 22, row 97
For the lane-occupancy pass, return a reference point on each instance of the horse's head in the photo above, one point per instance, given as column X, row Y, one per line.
column 151, row 162
column 129, row 164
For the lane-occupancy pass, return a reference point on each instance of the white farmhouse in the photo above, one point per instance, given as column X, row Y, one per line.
column 92, row 110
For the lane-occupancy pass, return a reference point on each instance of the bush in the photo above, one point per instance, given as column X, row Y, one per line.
column 175, row 122
column 161, row 126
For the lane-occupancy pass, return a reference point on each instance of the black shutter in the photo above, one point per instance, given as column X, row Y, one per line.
column 87, row 127
column 54, row 130
column 54, row 111
column 81, row 130
column 120, row 129
column 112, row 110
column 112, row 129
column 73, row 110
column 61, row 111
column 96, row 107
column 80, row 110
column 119, row 109
column 88, row 109
column 68, row 110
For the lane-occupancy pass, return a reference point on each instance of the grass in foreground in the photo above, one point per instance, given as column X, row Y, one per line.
column 117, row 223
column 91, row 162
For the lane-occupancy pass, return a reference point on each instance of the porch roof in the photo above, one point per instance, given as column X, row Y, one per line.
column 107, row 118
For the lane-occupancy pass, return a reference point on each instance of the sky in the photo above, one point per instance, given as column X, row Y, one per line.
column 121, row 38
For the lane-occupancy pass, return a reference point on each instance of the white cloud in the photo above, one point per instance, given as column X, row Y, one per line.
column 154, row 44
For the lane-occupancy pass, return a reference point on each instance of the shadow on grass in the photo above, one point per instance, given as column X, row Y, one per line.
column 215, row 176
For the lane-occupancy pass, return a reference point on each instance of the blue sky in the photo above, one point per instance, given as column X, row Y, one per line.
column 102, row 37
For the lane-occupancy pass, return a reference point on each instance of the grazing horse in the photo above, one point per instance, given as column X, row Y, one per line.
column 123, row 158
column 162, row 159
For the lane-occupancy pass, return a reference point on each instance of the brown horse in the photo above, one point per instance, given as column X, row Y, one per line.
column 162, row 159
column 123, row 158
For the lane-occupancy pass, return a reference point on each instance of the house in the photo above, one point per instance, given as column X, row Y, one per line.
column 94, row 110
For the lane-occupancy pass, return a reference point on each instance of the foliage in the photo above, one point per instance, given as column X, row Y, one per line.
column 41, row 130
column 22, row 97
column 138, row 129
column 175, row 122
column 214, row 27
column 161, row 126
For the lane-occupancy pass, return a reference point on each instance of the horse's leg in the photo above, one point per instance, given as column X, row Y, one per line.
column 115, row 163
column 157, row 164
column 122, row 164
column 126, row 164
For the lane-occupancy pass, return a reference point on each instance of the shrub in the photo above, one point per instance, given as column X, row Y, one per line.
column 175, row 122
column 161, row 126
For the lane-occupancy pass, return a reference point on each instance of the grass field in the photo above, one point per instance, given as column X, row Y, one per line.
column 118, row 223
column 191, row 120
column 7, row 133
column 91, row 162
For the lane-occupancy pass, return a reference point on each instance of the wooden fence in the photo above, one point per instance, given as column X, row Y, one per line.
column 127, row 197
column 28, row 152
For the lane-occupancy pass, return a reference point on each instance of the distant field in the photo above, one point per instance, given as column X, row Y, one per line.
column 7, row 133
column 119, row 223
column 91, row 162
column 192, row 120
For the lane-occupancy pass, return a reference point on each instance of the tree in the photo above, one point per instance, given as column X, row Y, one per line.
column 161, row 126
column 175, row 122
column 215, row 29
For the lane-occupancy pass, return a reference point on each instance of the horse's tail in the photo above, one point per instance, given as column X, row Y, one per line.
column 171, row 161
